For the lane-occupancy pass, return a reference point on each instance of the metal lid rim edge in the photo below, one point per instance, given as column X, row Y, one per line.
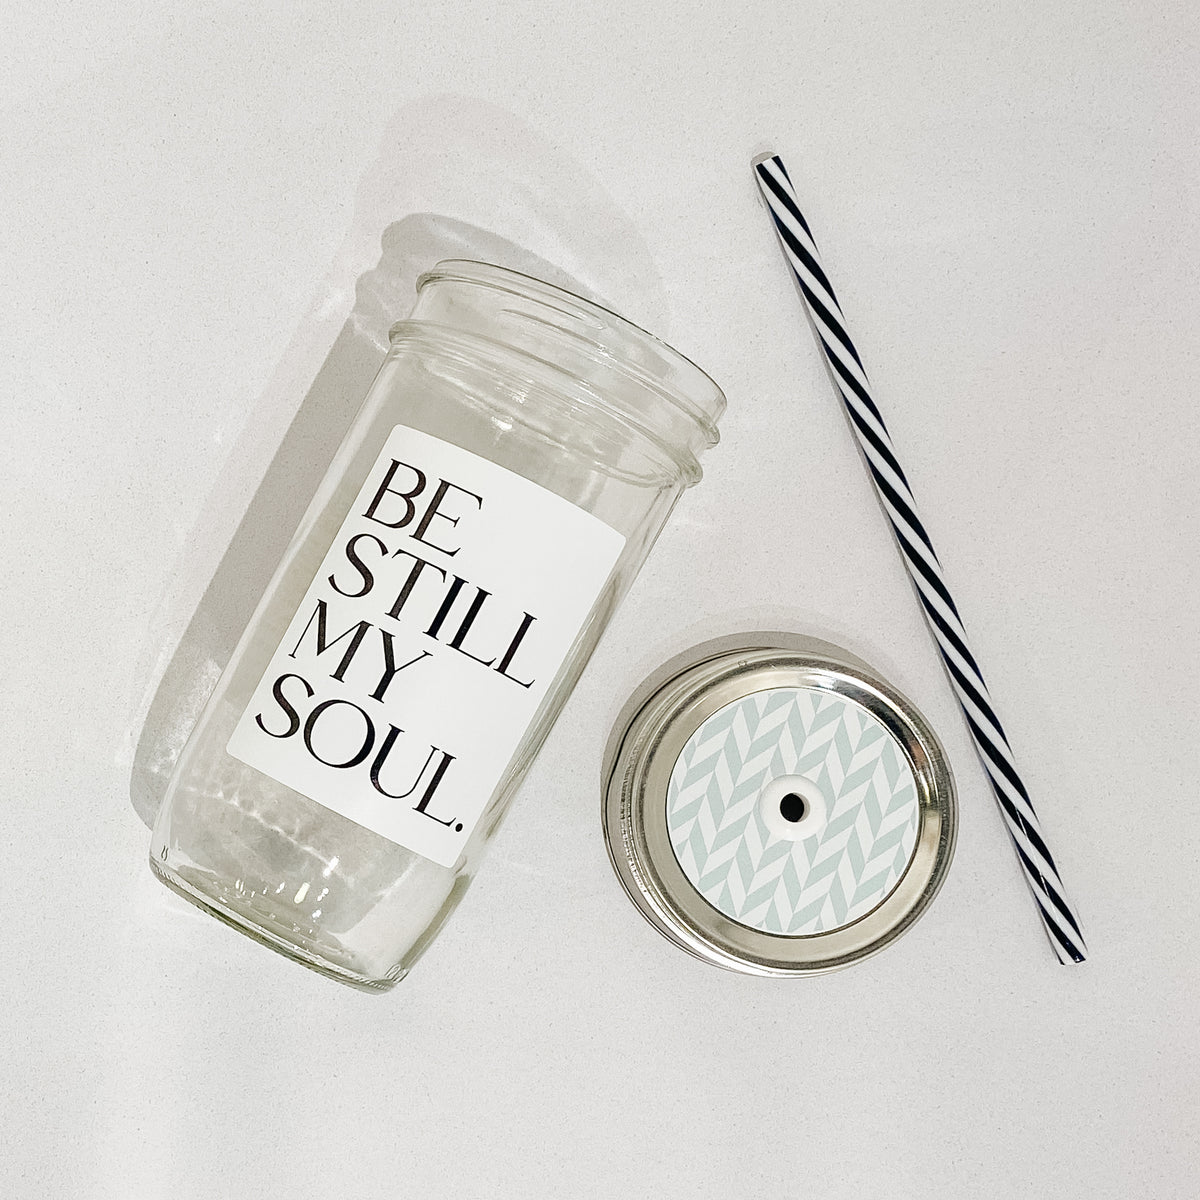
column 641, row 724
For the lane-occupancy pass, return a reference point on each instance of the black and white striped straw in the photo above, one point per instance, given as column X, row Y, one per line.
column 1041, row 873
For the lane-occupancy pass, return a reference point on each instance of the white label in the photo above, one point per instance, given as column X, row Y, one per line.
column 425, row 643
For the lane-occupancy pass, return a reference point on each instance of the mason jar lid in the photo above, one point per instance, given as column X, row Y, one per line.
column 774, row 807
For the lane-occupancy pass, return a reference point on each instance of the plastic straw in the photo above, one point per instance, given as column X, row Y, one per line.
column 891, row 485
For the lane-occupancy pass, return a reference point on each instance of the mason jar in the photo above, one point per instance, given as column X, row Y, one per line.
column 510, row 468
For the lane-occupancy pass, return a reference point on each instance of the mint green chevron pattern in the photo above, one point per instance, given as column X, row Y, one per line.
column 792, row 887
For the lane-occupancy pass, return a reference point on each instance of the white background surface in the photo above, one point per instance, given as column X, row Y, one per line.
column 1005, row 195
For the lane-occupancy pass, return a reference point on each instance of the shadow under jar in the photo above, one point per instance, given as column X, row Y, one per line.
column 512, row 464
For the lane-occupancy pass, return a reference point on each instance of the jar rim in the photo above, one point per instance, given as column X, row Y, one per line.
column 696, row 393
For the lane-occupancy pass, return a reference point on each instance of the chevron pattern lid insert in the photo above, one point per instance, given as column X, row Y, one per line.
column 853, row 851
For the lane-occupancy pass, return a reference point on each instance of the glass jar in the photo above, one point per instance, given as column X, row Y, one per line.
column 512, row 464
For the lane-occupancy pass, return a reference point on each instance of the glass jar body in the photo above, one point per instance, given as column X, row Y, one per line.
column 533, row 381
